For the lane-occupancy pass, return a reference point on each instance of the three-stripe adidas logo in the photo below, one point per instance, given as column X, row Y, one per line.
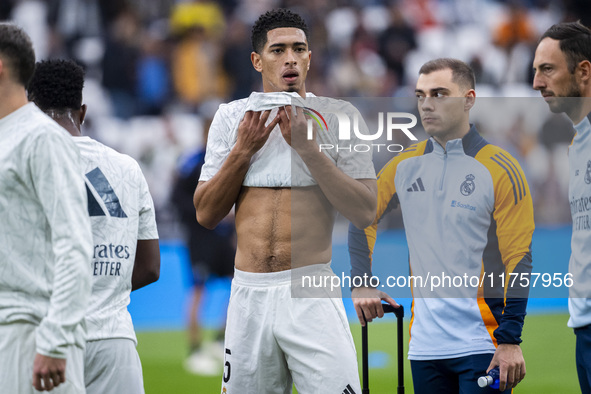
column 514, row 174
column 349, row 390
column 107, row 201
column 417, row 186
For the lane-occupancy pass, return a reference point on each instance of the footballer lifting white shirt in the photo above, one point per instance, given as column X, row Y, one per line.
column 274, row 165
column 44, row 230
column 121, row 213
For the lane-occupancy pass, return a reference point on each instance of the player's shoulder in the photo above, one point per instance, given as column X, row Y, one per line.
column 414, row 150
column 233, row 107
column 497, row 160
column 36, row 122
column 36, row 128
column 227, row 115
column 123, row 159
column 99, row 152
column 329, row 105
column 417, row 149
column 505, row 170
column 489, row 150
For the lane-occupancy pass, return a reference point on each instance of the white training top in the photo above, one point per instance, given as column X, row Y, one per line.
column 579, row 195
column 44, row 230
column 121, row 212
column 276, row 164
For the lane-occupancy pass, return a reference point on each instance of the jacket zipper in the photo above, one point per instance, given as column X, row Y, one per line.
column 444, row 168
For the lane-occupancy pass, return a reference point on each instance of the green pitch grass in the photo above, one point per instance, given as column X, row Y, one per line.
column 548, row 347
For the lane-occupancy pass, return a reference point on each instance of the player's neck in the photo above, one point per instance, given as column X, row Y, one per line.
column 68, row 118
column 454, row 135
column 73, row 130
column 13, row 98
column 581, row 111
column 70, row 126
column 302, row 93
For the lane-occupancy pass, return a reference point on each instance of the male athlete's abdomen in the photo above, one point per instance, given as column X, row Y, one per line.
column 271, row 223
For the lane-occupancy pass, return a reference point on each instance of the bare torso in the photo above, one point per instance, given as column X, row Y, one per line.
column 282, row 228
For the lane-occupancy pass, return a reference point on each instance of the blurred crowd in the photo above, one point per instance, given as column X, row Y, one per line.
column 158, row 69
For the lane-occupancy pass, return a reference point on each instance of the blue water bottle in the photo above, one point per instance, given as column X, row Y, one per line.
column 491, row 379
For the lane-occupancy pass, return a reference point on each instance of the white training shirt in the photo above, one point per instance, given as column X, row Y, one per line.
column 45, row 235
column 121, row 212
column 275, row 164
column 579, row 195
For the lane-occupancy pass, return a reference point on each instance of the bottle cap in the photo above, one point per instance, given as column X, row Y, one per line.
column 485, row 381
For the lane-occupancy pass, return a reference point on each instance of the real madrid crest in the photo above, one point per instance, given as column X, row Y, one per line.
column 467, row 187
column 588, row 173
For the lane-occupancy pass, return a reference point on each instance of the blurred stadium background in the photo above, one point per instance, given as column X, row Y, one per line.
column 158, row 69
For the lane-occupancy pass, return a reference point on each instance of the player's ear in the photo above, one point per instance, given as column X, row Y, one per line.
column 584, row 71
column 255, row 58
column 470, row 100
column 83, row 109
column 309, row 59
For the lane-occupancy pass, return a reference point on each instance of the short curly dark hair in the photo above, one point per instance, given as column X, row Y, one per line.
column 274, row 19
column 16, row 51
column 57, row 84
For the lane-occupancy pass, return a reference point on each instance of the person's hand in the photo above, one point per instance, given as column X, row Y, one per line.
column 368, row 302
column 509, row 359
column 294, row 128
column 252, row 132
column 48, row 372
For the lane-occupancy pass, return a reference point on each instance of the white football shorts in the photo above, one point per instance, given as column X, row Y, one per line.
column 112, row 366
column 274, row 340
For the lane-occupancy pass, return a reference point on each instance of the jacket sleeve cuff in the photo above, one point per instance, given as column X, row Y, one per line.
column 53, row 339
column 509, row 332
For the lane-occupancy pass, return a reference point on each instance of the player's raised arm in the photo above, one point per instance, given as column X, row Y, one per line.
column 213, row 199
column 355, row 199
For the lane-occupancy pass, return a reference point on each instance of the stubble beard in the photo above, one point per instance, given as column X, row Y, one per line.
column 568, row 102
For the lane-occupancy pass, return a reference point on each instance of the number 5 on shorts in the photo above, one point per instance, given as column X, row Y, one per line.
column 227, row 365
